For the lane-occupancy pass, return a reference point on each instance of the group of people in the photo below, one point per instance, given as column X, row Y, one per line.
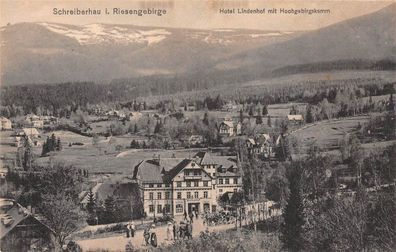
column 150, row 237
column 130, row 230
column 174, row 231
column 179, row 231
column 213, row 219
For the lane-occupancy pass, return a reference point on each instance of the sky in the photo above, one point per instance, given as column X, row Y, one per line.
column 192, row 13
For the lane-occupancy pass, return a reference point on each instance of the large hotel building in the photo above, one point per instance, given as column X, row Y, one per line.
column 175, row 186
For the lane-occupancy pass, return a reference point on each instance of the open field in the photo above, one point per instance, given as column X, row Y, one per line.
column 103, row 157
column 328, row 134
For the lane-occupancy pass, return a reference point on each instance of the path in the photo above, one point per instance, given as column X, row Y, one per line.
column 118, row 242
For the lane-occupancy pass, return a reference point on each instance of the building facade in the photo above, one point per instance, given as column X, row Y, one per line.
column 5, row 123
column 175, row 186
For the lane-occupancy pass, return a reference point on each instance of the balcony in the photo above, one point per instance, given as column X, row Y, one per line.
column 191, row 176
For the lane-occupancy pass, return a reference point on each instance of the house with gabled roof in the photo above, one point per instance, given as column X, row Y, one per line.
column 176, row 186
column 21, row 230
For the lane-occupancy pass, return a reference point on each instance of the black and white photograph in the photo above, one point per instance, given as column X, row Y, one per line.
column 197, row 126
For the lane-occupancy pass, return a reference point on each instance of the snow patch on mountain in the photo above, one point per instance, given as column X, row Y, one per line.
column 98, row 33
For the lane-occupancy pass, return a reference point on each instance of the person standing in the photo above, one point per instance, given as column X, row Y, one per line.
column 153, row 237
column 132, row 226
column 191, row 217
column 127, row 230
column 175, row 230
column 146, row 235
column 189, row 230
column 169, row 232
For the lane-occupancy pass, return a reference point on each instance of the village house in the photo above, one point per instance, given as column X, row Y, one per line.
column 34, row 121
column 262, row 145
column 49, row 120
column 21, row 230
column 116, row 114
column 297, row 119
column 134, row 116
column 31, row 134
column 176, row 186
column 229, row 128
column 5, row 123
column 195, row 139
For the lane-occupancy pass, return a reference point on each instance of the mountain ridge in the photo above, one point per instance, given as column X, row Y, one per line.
column 48, row 52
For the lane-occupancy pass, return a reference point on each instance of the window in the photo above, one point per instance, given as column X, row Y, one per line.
column 151, row 208
column 220, row 190
column 167, row 208
column 205, row 183
column 167, row 195
column 196, row 184
column 151, row 185
column 235, row 190
column 167, row 185
column 196, row 195
column 159, row 208
column 205, row 194
column 159, row 185
column 186, row 173
column 179, row 208
column 179, row 184
column 179, row 195
column 235, row 181
column 220, row 181
column 159, row 195
column 188, row 183
column 227, row 181
column 188, row 195
column 214, row 174
column 196, row 173
column 151, row 195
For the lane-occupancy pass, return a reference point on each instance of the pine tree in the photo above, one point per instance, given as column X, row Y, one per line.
column 158, row 127
column 44, row 149
column 91, row 205
column 259, row 119
column 110, row 210
column 309, row 116
column 265, row 110
column 241, row 116
column 58, row 145
column 206, row 119
column 53, row 141
column 391, row 105
column 251, row 111
column 27, row 155
column 293, row 217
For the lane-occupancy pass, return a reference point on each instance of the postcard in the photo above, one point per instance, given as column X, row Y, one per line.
column 213, row 125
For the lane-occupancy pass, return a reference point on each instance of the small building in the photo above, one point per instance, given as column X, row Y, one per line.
column 35, row 121
column 195, row 139
column 295, row 118
column 262, row 145
column 49, row 120
column 30, row 132
column 134, row 116
column 21, row 230
column 226, row 128
column 5, row 123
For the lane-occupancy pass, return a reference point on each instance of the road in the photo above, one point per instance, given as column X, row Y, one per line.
column 117, row 243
